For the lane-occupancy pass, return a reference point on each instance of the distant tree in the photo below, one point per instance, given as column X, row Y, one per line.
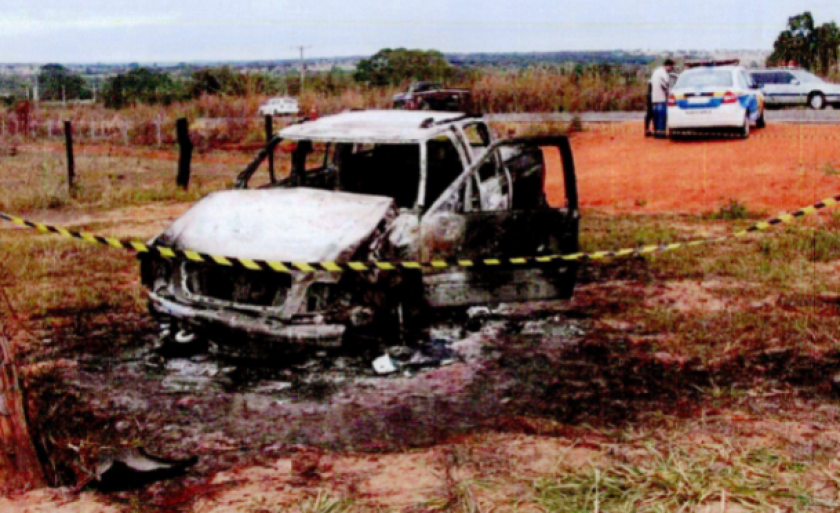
column 12, row 89
column 220, row 80
column 814, row 48
column 140, row 85
column 56, row 82
column 389, row 66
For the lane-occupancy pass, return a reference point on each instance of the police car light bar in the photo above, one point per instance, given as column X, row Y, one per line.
column 712, row 62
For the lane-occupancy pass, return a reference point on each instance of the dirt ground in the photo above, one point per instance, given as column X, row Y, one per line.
column 781, row 167
column 555, row 406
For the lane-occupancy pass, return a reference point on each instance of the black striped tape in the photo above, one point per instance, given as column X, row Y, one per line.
column 484, row 263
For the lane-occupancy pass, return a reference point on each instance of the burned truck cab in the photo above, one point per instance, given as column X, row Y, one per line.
column 426, row 199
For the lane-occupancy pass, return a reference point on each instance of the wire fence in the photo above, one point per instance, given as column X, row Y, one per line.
column 158, row 130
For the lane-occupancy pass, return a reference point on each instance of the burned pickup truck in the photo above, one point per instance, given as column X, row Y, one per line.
column 368, row 186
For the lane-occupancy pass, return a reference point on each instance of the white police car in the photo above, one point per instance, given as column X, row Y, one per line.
column 715, row 98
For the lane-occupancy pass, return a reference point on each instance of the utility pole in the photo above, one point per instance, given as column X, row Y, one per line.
column 302, row 65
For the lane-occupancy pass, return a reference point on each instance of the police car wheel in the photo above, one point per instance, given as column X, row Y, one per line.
column 817, row 101
column 745, row 130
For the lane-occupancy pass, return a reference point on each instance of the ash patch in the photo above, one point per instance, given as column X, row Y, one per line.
column 333, row 398
column 234, row 413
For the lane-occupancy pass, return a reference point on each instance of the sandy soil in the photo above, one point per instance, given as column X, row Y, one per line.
column 779, row 168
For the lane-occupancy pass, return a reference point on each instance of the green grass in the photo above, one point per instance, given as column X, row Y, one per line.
column 680, row 479
column 322, row 502
column 733, row 210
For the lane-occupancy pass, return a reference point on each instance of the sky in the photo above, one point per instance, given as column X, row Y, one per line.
column 171, row 31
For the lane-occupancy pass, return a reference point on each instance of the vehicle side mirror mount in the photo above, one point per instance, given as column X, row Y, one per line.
column 794, row 82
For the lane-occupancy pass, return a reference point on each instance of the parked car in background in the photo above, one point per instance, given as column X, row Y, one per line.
column 790, row 87
column 281, row 106
column 715, row 98
column 368, row 186
column 432, row 96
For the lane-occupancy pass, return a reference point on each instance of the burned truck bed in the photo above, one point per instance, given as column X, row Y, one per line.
column 383, row 186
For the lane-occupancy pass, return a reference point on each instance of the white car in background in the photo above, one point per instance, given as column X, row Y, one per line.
column 711, row 98
column 281, row 106
column 789, row 87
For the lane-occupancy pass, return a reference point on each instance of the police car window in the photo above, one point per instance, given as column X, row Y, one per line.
column 706, row 78
column 787, row 78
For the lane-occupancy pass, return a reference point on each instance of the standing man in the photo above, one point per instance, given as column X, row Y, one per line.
column 660, row 82
column 649, row 111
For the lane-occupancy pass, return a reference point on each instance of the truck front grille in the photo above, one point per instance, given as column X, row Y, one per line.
column 237, row 285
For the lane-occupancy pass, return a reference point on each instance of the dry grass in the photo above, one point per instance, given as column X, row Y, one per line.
column 528, row 90
column 541, row 90
column 106, row 178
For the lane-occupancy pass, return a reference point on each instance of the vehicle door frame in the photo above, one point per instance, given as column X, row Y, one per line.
column 469, row 285
column 753, row 104
column 502, row 173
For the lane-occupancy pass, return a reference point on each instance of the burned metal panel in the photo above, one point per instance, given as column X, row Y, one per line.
column 468, row 288
column 298, row 224
column 480, row 235
column 372, row 126
column 235, row 330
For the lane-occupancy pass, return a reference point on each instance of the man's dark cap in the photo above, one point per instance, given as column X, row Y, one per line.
column 668, row 62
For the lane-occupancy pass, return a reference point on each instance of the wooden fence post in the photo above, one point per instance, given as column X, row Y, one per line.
column 269, row 134
column 71, row 166
column 20, row 468
column 186, row 153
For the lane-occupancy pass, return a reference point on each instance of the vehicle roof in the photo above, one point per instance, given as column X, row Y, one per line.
column 373, row 126
column 715, row 68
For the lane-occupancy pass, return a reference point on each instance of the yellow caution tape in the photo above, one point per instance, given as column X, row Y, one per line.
column 495, row 263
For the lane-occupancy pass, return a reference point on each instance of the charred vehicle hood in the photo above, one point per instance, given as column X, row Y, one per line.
column 298, row 224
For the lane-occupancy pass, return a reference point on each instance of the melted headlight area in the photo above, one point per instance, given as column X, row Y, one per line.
column 291, row 298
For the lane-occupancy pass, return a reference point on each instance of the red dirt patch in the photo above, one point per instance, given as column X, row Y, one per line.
column 779, row 168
